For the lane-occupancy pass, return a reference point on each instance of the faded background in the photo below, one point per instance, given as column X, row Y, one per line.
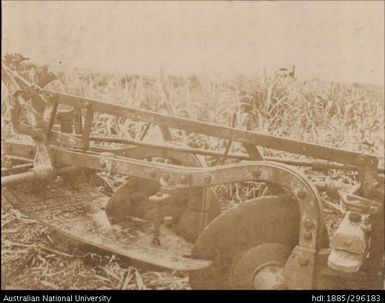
column 338, row 41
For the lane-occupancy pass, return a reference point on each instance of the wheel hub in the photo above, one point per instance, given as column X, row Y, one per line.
column 261, row 267
column 269, row 277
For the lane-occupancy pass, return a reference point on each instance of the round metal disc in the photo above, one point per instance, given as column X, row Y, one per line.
column 260, row 267
column 240, row 229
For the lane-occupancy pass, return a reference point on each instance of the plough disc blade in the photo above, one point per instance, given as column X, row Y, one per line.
column 76, row 209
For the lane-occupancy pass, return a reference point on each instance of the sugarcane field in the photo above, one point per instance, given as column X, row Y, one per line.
column 192, row 146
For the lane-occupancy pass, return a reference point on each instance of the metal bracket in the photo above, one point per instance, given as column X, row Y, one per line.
column 357, row 203
column 299, row 268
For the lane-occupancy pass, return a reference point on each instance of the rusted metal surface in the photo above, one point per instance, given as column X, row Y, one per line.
column 230, row 242
column 261, row 267
column 311, row 229
column 239, row 230
column 76, row 210
column 299, row 269
column 200, row 177
column 191, row 209
column 243, row 136
column 305, row 192
column 138, row 150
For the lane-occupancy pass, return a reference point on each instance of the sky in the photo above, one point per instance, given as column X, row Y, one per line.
column 337, row 40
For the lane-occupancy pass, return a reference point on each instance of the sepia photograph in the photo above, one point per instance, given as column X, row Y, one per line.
column 192, row 145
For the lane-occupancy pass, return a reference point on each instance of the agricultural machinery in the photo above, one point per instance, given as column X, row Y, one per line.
column 167, row 214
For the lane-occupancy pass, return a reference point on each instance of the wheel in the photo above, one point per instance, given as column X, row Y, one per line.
column 249, row 245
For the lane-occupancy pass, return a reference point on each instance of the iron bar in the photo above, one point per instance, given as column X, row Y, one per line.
column 211, row 129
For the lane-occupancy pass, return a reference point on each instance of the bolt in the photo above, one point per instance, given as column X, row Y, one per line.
column 308, row 235
column 308, row 223
column 207, row 179
column 9, row 148
column 301, row 194
column 166, row 176
column 31, row 152
column 152, row 174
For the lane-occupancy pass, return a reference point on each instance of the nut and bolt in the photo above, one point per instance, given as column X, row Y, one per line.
column 166, row 177
column 152, row 174
column 301, row 194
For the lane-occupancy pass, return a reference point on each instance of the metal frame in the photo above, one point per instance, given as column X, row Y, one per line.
column 52, row 148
